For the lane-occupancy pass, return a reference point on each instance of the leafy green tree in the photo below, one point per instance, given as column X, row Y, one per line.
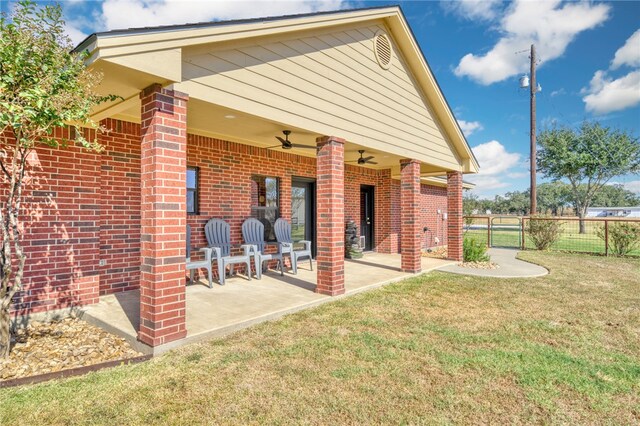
column 517, row 202
column 43, row 85
column 554, row 197
column 587, row 158
column 615, row 196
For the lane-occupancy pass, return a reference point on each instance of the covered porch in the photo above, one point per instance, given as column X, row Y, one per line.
column 241, row 303
column 207, row 112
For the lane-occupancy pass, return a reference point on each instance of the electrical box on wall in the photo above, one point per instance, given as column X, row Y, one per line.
column 444, row 216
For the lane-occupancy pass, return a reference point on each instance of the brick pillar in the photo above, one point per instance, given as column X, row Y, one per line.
column 330, row 215
column 454, row 213
column 163, row 160
column 411, row 231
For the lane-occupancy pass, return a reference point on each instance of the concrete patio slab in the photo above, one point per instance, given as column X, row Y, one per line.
column 510, row 267
column 240, row 303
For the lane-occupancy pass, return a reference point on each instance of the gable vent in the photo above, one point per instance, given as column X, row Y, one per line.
column 382, row 49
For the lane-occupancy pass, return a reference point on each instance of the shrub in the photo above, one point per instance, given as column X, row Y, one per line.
column 624, row 237
column 474, row 251
column 543, row 232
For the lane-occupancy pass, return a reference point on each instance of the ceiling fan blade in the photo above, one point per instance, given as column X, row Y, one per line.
column 371, row 157
column 372, row 162
column 282, row 141
column 297, row 145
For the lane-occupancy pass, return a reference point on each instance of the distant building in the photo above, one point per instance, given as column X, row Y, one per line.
column 613, row 211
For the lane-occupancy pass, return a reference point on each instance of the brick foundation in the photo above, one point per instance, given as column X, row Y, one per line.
column 163, row 205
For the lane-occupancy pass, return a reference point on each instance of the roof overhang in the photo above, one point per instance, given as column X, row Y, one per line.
column 155, row 55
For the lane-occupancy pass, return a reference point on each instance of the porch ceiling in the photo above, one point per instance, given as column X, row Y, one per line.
column 215, row 121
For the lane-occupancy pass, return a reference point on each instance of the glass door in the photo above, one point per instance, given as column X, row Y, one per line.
column 303, row 221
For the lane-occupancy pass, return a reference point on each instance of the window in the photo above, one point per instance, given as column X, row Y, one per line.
column 265, row 203
column 192, row 190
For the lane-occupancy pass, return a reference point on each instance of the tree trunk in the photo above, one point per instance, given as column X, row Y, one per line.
column 5, row 332
column 583, row 228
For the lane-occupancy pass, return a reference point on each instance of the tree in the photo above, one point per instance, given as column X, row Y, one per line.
column 43, row 85
column 615, row 196
column 553, row 197
column 588, row 158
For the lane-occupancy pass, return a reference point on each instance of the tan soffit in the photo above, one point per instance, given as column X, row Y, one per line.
column 158, row 53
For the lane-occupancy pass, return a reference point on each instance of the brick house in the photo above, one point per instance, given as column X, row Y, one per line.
column 193, row 138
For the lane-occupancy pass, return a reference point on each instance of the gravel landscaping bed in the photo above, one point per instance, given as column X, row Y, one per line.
column 479, row 265
column 437, row 253
column 70, row 343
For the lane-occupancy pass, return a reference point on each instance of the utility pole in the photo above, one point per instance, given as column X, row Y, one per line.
column 533, row 87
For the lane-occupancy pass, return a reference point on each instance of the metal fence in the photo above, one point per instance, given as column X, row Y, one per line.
column 511, row 231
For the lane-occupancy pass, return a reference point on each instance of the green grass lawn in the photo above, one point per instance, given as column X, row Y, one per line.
column 440, row 348
column 570, row 239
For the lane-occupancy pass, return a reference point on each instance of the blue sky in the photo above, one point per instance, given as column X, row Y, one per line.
column 589, row 62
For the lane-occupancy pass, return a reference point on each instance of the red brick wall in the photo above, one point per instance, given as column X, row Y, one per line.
column 120, row 207
column 225, row 180
column 60, row 214
column 432, row 198
column 84, row 207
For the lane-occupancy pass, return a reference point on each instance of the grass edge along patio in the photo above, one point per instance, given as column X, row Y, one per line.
column 193, row 137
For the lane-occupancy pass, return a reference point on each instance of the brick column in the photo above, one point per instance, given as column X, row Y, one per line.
column 163, row 207
column 454, row 213
column 330, row 215
column 411, row 231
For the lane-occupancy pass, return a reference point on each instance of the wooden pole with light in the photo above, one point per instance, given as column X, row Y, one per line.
column 533, row 87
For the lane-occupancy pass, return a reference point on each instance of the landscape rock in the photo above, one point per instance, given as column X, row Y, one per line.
column 69, row 343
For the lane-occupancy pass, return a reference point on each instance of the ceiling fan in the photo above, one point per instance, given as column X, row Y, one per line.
column 287, row 144
column 363, row 160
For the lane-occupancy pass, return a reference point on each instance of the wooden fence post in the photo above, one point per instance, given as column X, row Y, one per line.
column 522, row 224
column 606, row 237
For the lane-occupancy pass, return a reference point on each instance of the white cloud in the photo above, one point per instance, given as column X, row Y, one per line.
column 118, row 14
column 494, row 158
column 517, row 175
column 122, row 14
column 495, row 165
column 469, row 127
column 550, row 25
column 558, row 92
column 75, row 34
column 633, row 186
column 605, row 95
column 473, row 9
column 629, row 53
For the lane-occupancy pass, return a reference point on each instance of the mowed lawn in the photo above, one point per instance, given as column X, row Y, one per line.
column 440, row 348
column 570, row 239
